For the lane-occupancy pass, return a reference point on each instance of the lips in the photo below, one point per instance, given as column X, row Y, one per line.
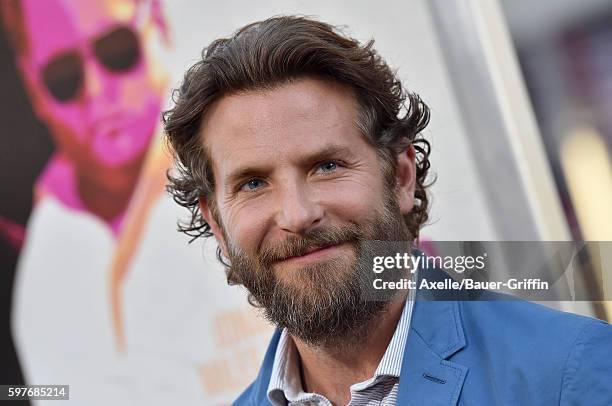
column 314, row 251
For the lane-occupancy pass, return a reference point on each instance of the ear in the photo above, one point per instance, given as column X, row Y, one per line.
column 405, row 176
column 214, row 226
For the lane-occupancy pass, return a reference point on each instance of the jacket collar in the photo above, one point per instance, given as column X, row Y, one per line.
column 259, row 388
column 428, row 377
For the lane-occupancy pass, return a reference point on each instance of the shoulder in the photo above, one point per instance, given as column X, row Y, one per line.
column 547, row 347
column 518, row 317
column 588, row 368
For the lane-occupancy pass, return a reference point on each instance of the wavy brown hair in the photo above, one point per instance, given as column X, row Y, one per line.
column 269, row 53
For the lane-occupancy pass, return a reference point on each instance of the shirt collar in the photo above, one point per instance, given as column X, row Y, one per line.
column 285, row 382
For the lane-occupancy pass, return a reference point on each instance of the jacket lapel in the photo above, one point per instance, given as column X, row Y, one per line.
column 259, row 391
column 436, row 333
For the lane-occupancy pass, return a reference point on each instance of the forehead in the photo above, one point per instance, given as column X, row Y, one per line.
column 274, row 126
column 56, row 25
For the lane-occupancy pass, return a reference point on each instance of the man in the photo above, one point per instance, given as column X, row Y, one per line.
column 296, row 153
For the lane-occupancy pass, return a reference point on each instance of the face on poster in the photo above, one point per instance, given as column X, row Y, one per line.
column 93, row 81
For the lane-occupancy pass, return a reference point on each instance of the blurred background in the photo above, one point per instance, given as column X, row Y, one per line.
column 99, row 291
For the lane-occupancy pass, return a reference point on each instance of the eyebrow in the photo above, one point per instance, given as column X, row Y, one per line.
column 328, row 151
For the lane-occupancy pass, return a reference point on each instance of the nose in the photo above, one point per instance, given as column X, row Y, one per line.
column 298, row 210
column 93, row 85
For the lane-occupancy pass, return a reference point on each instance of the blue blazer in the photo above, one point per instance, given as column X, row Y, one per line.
column 491, row 352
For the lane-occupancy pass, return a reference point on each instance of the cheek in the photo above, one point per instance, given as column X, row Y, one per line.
column 67, row 123
column 69, row 133
column 353, row 200
column 245, row 225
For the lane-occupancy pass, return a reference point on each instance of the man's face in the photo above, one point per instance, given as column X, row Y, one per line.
column 299, row 192
column 91, row 80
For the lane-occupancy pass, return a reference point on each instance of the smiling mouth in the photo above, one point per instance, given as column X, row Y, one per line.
column 313, row 254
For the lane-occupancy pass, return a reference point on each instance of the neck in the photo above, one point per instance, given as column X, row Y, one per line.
column 331, row 370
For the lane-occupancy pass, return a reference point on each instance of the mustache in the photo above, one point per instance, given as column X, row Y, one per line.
column 314, row 239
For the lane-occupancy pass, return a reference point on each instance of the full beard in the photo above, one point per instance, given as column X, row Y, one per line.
column 323, row 304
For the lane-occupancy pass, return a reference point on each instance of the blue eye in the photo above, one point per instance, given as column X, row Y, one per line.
column 253, row 184
column 328, row 166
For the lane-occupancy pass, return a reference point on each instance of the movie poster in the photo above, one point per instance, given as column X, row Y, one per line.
column 107, row 296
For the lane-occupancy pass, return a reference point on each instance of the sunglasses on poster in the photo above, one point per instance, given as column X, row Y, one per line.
column 118, row 51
